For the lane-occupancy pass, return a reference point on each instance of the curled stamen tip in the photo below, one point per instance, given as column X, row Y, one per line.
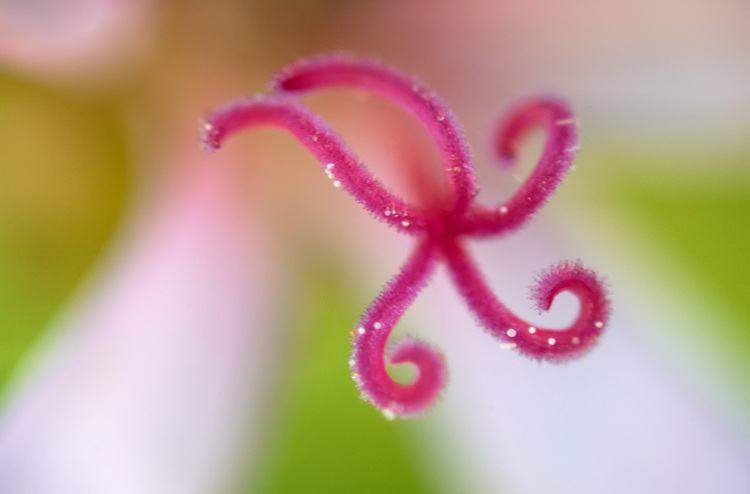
column 209, row 135
column 395, row 400
column 594, row 312
column 227, row 119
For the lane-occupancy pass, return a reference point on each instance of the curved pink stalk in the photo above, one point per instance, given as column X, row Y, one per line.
column 339, row 163
column 560, row 146
column 370, row 338
column 441, row 229
column 534, row 341
column 408, row 93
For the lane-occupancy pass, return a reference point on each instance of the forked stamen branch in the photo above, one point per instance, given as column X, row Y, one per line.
column 370, row 339
column 553, row 345
column 561, row 143
column 408, row 93
column 441, row 230
column 337, row 160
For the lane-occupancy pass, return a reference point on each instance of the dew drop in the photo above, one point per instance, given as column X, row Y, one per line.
column 511, row 332
column 503, row 210
column 330, row 166
column 388, row 414
column 405, row 223
column 599, row 324
column 336, row 183
column 361, row 330
column 387, row 212
column 377, row 325
column 552, row 341
column 440, row 117
column 532, row 330
column 351, row 362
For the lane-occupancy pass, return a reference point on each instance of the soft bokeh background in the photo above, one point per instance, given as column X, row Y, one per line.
column 97, row 109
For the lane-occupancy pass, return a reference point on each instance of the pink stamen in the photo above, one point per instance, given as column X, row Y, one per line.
column 546, row 344
column 370, row 337
column 408, row 93
column 556, row 118
column 442, row 230
column 338, row 162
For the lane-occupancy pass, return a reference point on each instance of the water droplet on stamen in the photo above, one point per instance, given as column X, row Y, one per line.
column 352, row 362
column 599, row 324
column 361, row 330
column 405, row 223
column 511, row 332
column 336, row 183
column 440, row 117
column 377, row 325
column 388, row 414
column 532, row 330
column 387, row 212
column 330, row 165
column 552, row 341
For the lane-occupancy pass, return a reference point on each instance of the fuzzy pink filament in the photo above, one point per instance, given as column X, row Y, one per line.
column 441, row 230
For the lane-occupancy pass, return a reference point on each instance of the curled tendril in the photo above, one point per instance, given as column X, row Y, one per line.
column 441, row 231
column 546, row 344
column 370, row 338
column 556, row 118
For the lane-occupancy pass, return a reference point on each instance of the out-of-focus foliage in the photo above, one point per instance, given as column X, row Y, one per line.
column 64, row 175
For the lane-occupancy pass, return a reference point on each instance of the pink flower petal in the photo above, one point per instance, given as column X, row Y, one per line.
column 144, row 384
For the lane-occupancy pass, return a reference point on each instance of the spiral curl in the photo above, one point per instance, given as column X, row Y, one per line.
column 442, row 231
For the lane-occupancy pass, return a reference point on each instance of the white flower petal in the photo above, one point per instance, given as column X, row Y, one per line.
column 145, row 387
